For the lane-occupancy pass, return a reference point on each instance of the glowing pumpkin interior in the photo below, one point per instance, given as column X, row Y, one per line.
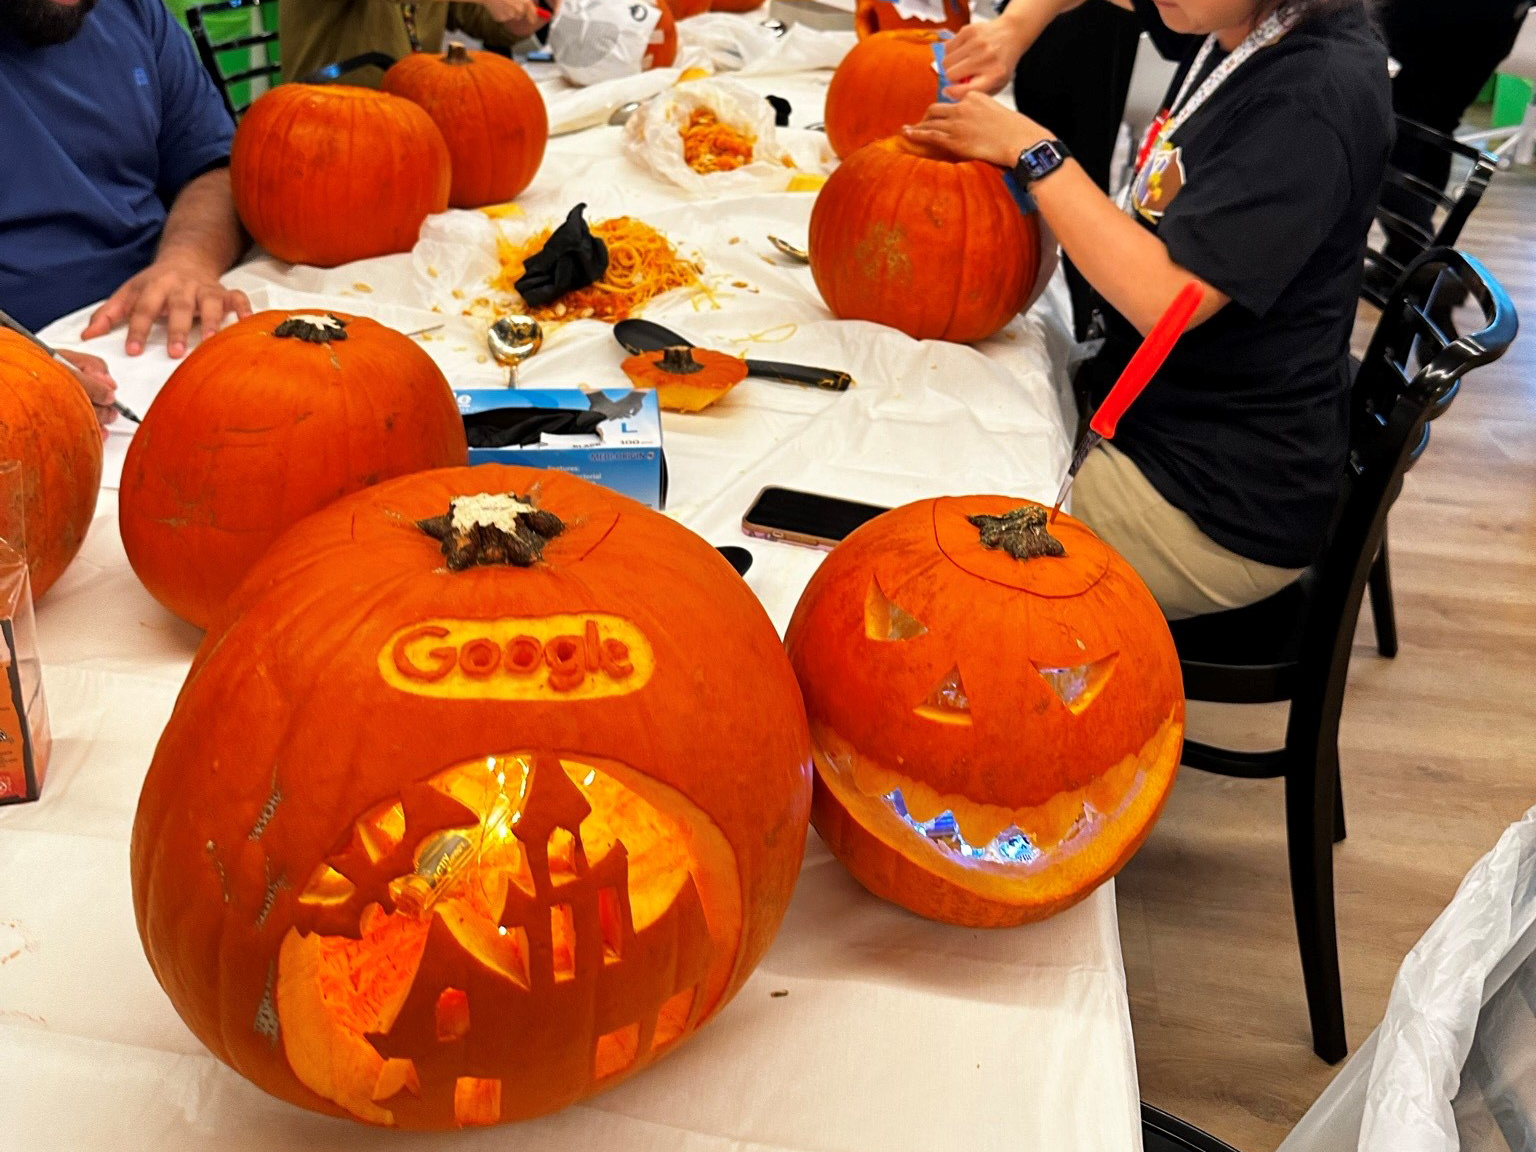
column 523, row 924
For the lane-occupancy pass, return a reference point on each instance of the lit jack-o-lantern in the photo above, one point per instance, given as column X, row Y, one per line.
column 434, row 843
column 996, row 709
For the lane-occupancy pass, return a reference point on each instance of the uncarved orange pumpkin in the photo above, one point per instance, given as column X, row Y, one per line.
column 996, row 726
column 682, row 9
column 325, row 173
column 48, row 426
column 435, row 840
column 264, row 423
column 736, row 5
column 886, row 81
column 871, row 16
column 956, row 263
column 489, row 112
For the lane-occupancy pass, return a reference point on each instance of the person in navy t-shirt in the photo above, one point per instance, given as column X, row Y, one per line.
column 116, row 182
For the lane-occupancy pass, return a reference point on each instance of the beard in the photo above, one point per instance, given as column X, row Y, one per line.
column 41, row 23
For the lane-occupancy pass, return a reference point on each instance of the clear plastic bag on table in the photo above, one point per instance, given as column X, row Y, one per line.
column 1452, row 1066
column 653, row 139
column 728, row 42
column 597, row 40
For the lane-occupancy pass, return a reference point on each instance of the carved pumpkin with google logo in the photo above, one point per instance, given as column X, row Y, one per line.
column 453, row 824
column 997, row 709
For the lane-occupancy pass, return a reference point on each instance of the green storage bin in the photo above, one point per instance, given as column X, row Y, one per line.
column 1511, row 97
column 228, row 26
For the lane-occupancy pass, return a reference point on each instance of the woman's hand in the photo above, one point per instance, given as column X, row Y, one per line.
column 977, row 128
column 92, row 373
column 982, row 57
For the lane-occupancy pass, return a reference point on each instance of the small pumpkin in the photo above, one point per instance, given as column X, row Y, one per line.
column 886, row 81
column 326, row 173
column 956, row 263
column 686, row 379
column 871, row 16
column 490, row 114
column 454, row 821
column 682, row 9
column 996, row 708
column 736, row 5
column 48, row 426
column 264, row 423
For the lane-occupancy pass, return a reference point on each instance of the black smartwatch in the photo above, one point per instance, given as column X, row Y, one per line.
column 1039, row 161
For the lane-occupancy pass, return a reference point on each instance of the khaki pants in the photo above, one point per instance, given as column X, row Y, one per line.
column 1188, row 572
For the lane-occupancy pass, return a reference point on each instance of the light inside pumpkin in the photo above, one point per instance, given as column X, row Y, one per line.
column 1010, row 846
column 1079, row 684
column 884, row 619
column 949, row 703
column 549, row 888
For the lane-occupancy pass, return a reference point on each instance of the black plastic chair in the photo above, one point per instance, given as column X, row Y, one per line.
column 1413, row 216
column 1295, row 646
column 1161, row 1132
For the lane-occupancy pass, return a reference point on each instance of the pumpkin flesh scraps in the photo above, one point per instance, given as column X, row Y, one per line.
column 686, row 379
column 710, row 145
column 642, row 264
column 336, row 996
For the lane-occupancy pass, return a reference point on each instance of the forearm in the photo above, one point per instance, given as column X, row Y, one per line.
column 202, row 226
column 1128, row 265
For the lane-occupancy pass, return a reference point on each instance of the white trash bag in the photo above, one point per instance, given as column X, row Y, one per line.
column 653, row 139
column 1452, row 1066
column 597, row 40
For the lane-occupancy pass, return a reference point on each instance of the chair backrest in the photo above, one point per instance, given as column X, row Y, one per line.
column 237, row 42
column 1410, row 374
column 1414, row 214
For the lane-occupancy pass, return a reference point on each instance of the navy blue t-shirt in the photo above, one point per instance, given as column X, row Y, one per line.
column 98, row 135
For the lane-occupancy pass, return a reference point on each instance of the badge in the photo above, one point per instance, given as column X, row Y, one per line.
column 1158, row 182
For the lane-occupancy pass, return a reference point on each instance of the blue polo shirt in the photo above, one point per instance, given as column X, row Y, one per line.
column 97, row 136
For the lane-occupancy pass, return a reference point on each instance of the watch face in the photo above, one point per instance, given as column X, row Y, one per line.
column 1041, row 160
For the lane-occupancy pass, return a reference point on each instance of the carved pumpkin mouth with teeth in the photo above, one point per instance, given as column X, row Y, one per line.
column 996, row 708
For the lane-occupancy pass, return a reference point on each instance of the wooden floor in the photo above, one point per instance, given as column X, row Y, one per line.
column 1439, row 756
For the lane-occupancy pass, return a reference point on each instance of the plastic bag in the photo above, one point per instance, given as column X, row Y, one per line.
column 597, row 40
column 1452, row 1067
column 653, row 139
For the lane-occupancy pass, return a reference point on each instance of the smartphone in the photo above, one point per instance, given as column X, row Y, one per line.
column 806, row 518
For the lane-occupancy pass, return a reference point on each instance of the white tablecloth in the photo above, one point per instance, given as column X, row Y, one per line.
column 895, row 1033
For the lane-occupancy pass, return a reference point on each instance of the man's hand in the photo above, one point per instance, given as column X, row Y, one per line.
column 977, row 128
column 518, row 17
column 183, row 290
column 98, row 384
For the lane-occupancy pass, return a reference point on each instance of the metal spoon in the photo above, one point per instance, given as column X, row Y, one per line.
column 623, row 112
column 513, row 339
column 789, row 249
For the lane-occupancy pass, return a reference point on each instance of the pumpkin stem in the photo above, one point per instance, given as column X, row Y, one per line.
column 679, row 361
column 456, row 54
column 492, row 529
column 1021, row 533
column 312, row 328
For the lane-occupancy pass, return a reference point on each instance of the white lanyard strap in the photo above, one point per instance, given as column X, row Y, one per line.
column 1267, row 33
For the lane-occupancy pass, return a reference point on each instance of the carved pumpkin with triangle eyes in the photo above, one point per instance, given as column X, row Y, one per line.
column 454, row 823
column 996, row 709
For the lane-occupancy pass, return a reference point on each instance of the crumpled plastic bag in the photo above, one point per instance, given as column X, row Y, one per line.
column 597, row 40
column 1454, row 1059
column 653, row 140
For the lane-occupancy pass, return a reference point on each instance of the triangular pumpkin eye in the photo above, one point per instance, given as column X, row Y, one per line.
column 948, row 703
column 1078, row 684
column 886, row 620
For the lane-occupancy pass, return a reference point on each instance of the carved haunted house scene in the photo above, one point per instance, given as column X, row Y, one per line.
column 560, row 993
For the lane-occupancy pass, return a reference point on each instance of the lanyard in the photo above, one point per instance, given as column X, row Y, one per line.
column 1174, row 117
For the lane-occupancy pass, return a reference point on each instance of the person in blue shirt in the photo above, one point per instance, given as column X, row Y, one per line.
column 116, row 185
